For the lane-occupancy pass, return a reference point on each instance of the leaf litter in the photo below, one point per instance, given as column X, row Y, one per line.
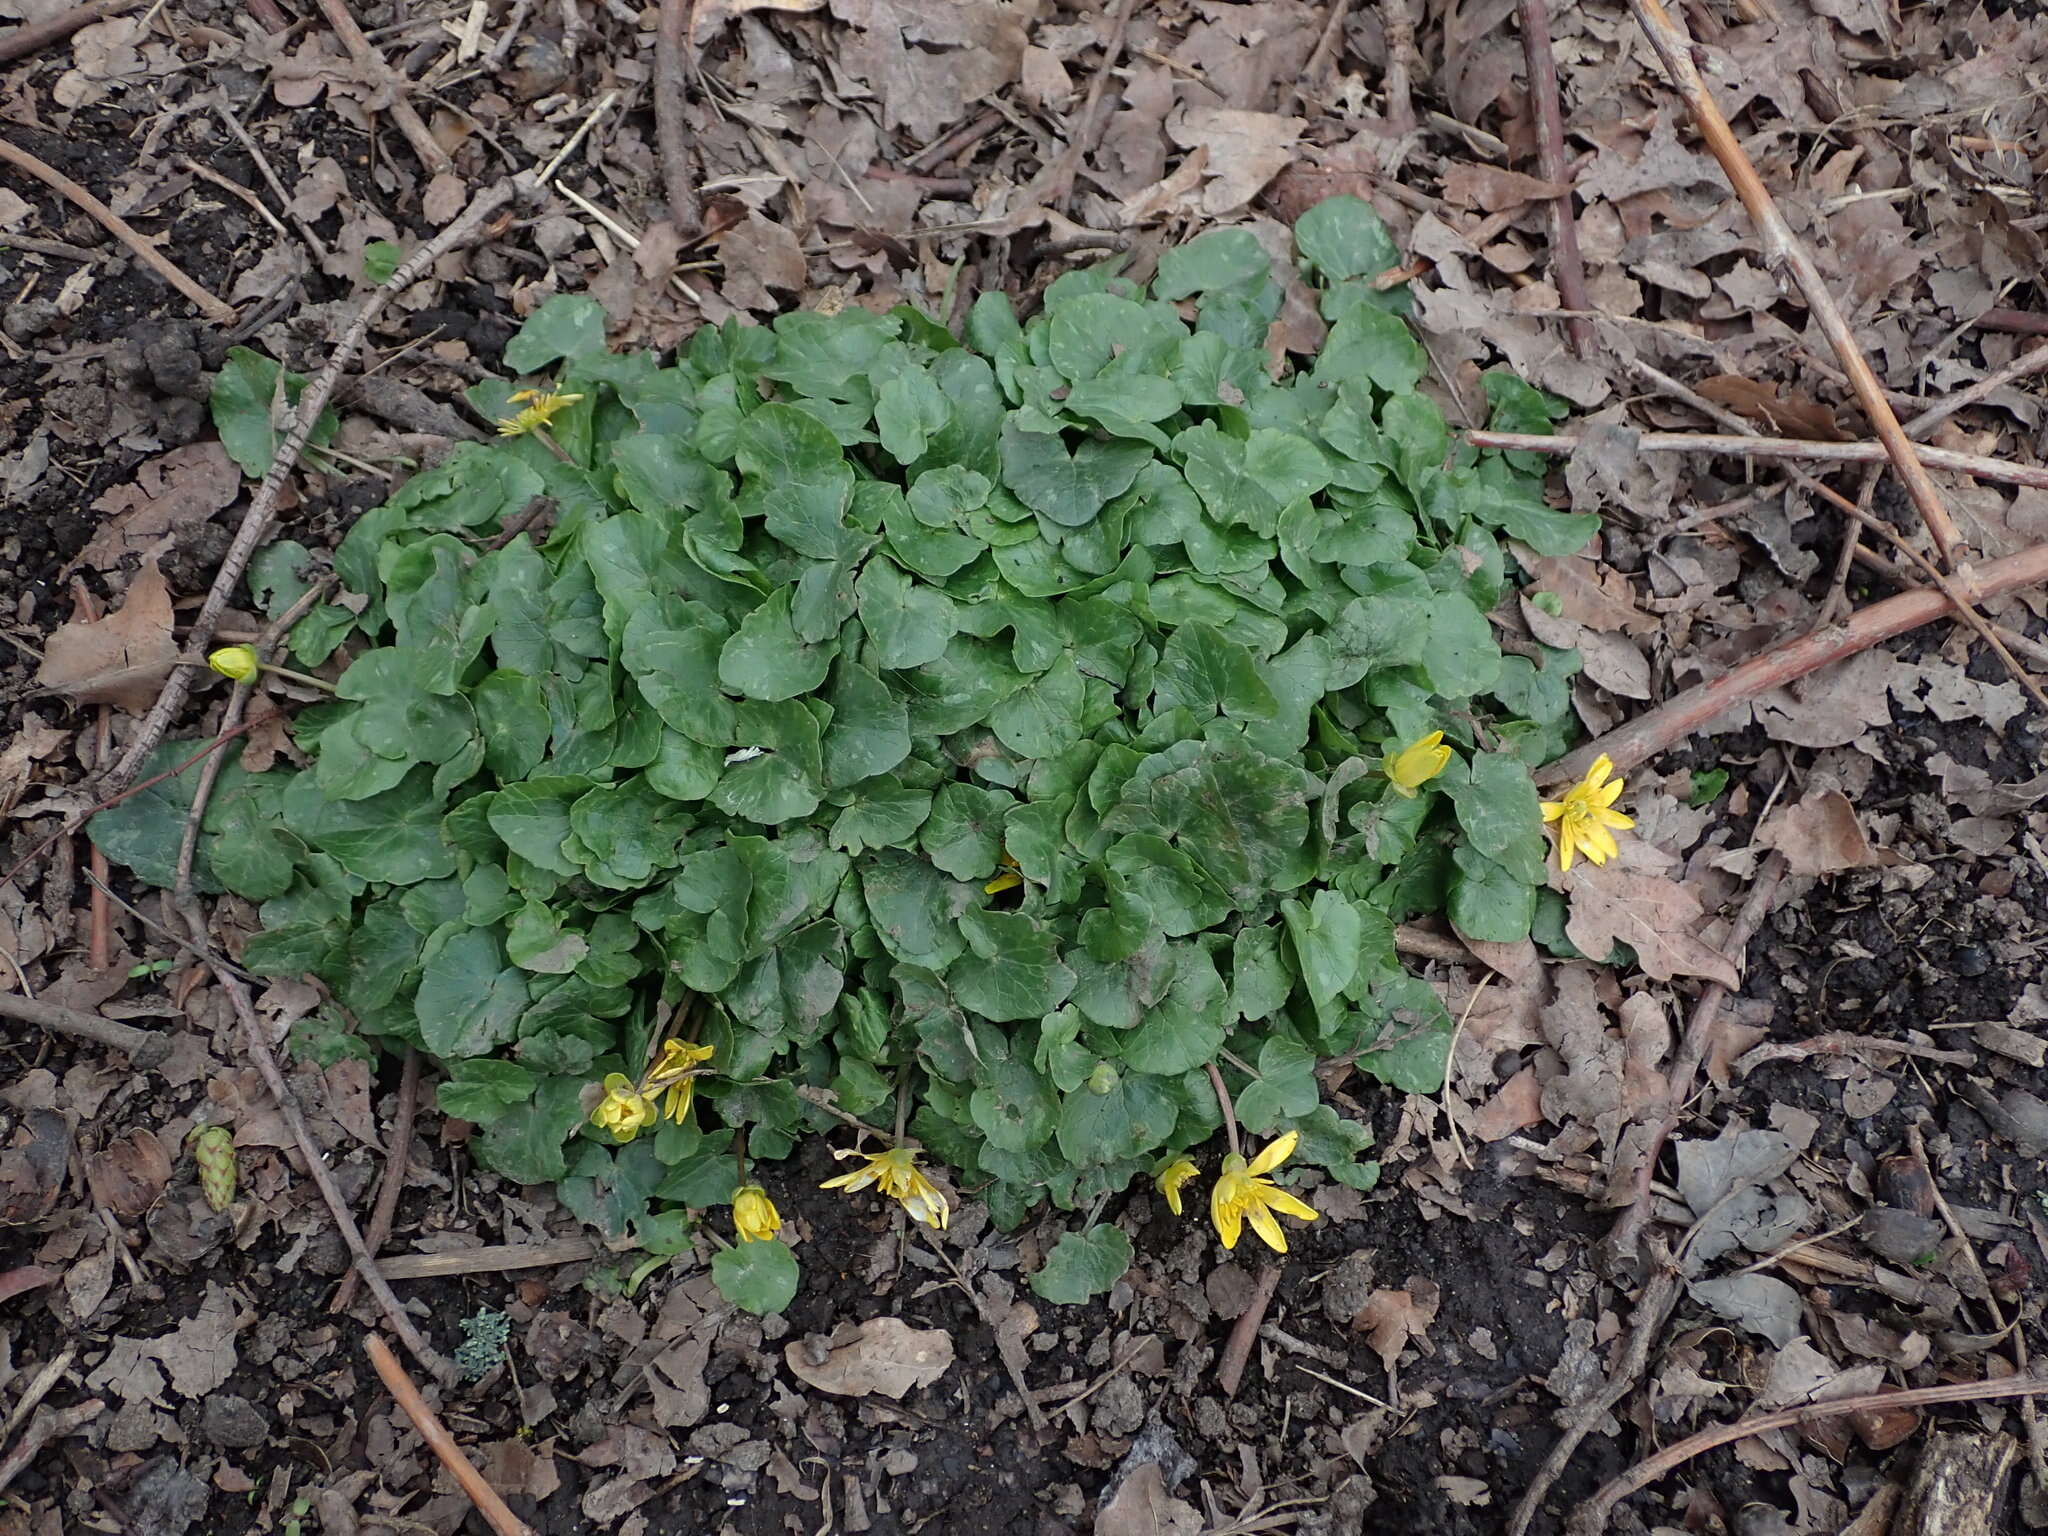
column 1679, row 281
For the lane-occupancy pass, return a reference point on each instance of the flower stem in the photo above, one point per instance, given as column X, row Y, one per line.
column 297, row 677
column 1223, row 1103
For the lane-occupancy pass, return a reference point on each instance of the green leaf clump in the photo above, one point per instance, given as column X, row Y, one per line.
column 1001, row 718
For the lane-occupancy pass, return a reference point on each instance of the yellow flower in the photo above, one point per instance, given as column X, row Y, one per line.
column 675, row 1071
column 1585, row 815
column 1171, row 1177
column 624, row 1110
column 1416, row 764
column 543, row 407
column 1244, row 1194
column 754, row 1216
column 896, row 1174
column 234, row 661
column 1007, row 878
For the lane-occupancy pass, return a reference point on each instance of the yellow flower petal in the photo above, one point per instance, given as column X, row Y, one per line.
column 1276, row 1153
column 1268, row 1229
column 1171, row 1177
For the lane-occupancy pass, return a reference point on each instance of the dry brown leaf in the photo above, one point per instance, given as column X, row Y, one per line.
column 1517, row 1106
column 1654, row 916
column 1821, row 836
column 129, row 1176
column 1143, row 1507
column 1246, row 150
column 1832, row 707
column 1588, row 592
column 199, row 1354
column 1490, row 188
column 31, row 744
column 121, row 659
column 174, row 491
column 1169, row 192
column 713, row 14
column 884, row 1354
column 929, row 60
column 760, row 254
column 1789, row 414
column 32, row 1167
column 1392, row 1318
column 1045, row 82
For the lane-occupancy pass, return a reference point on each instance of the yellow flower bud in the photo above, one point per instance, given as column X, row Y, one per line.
column 624, row 1110
column 1416, row 764
column 234, row 661
column 754, row 1216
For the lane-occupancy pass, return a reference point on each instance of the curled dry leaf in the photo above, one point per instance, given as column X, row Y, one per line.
column 32, row 1168
column 121, row 659
column 129, row 1176
column 884, row 1354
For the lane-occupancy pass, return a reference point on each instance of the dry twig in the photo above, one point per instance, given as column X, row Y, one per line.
column 263, row 505
column 2027, row 363
column 428, row 1423
column 1782, row 247
column 1974, row 465
column 1565, row 263
column 49, row 1424
column 120, row 229
column 393, row 1185
column 1057, row 181
column 24, row 40
column 1237, row 1350
column 493, row 1259
column 1859, row 513
column 1660, row 1290
column 671, row 127
column 138, row 1045
column 1677, row 718
column 2037, row 1449
column 1591, row 1519
column 367, row 58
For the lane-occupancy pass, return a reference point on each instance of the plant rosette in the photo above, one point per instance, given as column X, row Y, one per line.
column 1019, row 724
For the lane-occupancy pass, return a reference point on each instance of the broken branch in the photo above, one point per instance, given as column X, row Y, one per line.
column 410, row 123
column 494, row 1509
column 120, row 229
column 1973, row 465
column 138, row 1045
column 386, row 1210
column 671, row 127
column 1565, row 264
column 27, row 39
column 263, row 505
column 1592, row 1518
column 1782, row 247
column 1675, row 719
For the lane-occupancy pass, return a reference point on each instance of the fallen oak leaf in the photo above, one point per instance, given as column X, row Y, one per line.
column 1821, row 836
column 1654, row 916
column 1392, row 1318
column 121, row 659
column 883, row 1354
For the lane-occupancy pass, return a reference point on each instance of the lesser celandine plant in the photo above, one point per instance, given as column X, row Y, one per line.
column 1016, row 728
